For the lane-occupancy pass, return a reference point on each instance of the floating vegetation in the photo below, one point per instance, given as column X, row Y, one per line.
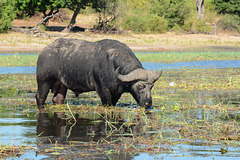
column 7, row 151
column 191, row 107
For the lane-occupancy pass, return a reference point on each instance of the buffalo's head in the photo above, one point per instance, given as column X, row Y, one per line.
column 141, row 82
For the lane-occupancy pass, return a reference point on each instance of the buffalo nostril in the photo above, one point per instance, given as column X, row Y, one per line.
column 148, row 104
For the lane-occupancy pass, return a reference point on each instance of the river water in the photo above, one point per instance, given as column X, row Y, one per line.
column 147, row 65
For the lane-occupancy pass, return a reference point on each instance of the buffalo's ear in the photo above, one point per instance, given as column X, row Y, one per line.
column 153, row 75
column 135, row 75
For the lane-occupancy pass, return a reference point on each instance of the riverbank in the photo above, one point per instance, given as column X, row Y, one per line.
column 17, row 42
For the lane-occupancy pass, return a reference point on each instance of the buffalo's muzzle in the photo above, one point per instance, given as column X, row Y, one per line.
column 147, row 104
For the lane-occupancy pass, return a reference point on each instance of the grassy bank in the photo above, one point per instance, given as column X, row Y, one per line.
column 18, row 60
column 187, row 56
column 31, row 60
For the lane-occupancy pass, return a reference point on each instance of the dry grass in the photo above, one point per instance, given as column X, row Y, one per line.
column 17, row 42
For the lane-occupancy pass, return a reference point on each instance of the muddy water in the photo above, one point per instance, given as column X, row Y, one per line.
column 52, row 136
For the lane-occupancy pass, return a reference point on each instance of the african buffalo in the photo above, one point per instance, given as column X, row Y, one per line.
column 108, row 67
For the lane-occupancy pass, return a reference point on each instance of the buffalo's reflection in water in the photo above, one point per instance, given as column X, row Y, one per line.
column 57, row 128
column 78, row 138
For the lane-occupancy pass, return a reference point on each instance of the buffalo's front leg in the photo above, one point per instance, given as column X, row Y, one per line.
column 115, row 98
column 105, row 96
column 59, row 94
column 42, row 92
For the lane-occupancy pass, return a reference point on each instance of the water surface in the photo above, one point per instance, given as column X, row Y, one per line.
column 43, row 131
column 147, row 65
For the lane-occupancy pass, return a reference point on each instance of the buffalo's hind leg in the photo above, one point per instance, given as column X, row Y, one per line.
column 60, row 92
column 42, row 92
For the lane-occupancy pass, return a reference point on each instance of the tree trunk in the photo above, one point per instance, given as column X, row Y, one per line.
column 73, row 20
column 200, row 8
column 49, row 16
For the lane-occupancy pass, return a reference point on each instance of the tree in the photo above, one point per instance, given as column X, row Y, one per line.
column 7, row 14
column 76, row 6
column 200, row 8
column 227, row 6
column 47, row 7
column 174, row 11
column 107, row 14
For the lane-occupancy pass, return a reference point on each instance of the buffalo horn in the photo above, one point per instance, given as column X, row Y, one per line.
column 138, row 74
column 153, row 75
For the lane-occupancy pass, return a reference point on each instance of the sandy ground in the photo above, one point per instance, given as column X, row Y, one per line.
column 18, row 42
column 170, row 41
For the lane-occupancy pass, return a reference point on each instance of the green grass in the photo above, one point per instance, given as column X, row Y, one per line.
column 31, row 60
column 187, row 56
column 18, row 60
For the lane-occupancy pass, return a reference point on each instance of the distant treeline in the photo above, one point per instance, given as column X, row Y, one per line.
column 139, row 16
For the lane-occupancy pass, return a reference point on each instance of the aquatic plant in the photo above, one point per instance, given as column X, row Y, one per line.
column 190, row 106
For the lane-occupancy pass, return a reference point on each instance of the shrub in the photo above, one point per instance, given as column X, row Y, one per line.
column 196, row 25
column 200, row 26
column 227, row 6
column 7, row 14
column 138, row 24
column 146, row 24
column 230, row 22
column 174, row 11
column 157, row 24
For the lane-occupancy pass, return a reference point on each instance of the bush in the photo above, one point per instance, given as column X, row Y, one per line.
column 157, row 24
column 146, row 24
column 138, row 24
column 201, row 27
column 227, row 6
column 7, row 14
column 174, row 11
column 230, row 22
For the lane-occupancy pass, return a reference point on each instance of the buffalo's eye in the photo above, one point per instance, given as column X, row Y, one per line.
column 142, row 86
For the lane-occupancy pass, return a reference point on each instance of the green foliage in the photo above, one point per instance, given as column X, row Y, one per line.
column 107, row 14
column 140, row 16
column 157, row 24
column 230, row 22
column 28, row 7
column 227, row 6
column 137, row 24
column 73, row 4
column 174, row 11
column 43, row 27
column 146, row 24
column 196, row 25
column 7, row 14
column 156, row 16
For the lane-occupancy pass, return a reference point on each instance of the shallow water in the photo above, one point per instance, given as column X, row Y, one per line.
column 192, row 65
column 44, row 131
column 147, row 65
